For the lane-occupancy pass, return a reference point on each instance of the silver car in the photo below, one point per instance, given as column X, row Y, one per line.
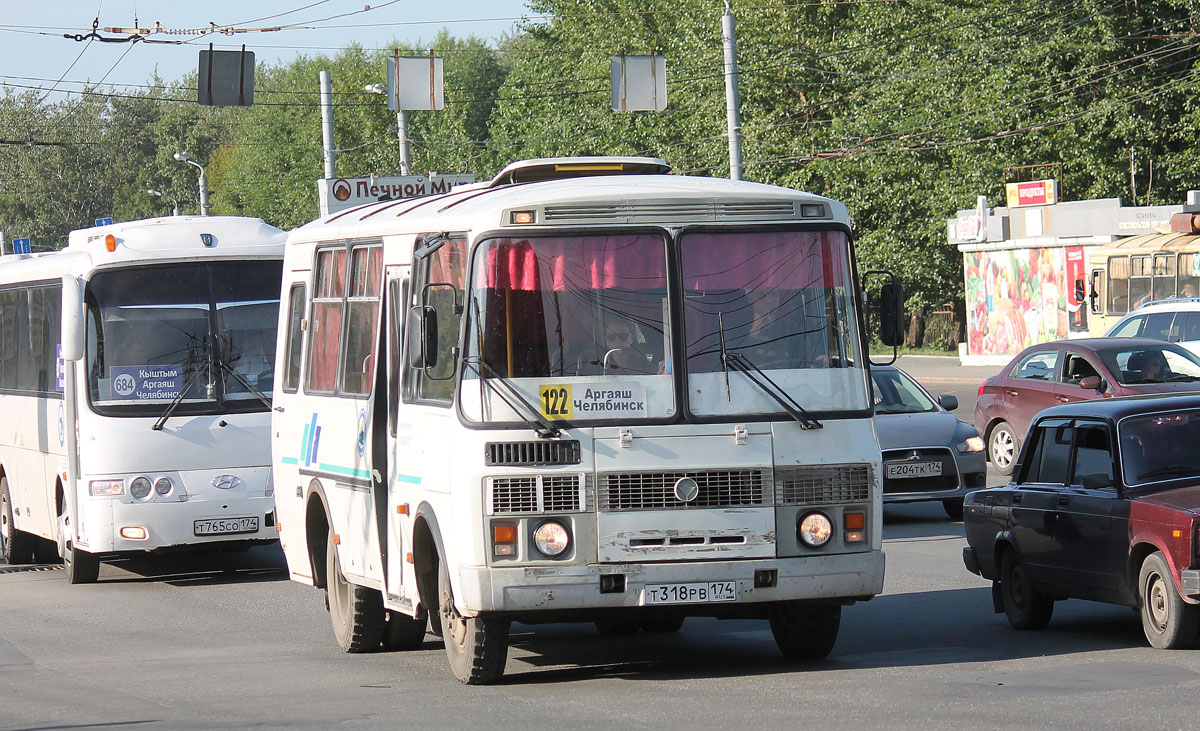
column 928, row 454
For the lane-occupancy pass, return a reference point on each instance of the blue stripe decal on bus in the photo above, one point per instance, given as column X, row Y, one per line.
column 289, row 460
column 304, row 445
column 411, row 479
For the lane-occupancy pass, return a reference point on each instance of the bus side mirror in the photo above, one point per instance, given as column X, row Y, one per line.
column 72, row 318
column 891, row 314
column 1080, row 291
column 421, row 332
column 1094, row 295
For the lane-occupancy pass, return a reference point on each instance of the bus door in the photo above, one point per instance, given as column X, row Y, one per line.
column 394, row 503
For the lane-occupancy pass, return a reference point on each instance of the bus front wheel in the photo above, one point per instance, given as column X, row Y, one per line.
column 476, row 647
column 82, row 567
column 356, row 611
column 805, row 631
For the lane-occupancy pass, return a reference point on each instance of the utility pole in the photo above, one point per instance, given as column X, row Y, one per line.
column 327, row 124
column 732, row 115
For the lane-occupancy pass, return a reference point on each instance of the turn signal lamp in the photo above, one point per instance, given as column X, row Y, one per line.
column 133, row 532
column 110, row 243
column 504, row 540
column 856, row 527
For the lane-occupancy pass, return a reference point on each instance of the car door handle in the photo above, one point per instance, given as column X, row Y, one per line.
column 1016, row 500
column 1062, row 399
column 1063, row 500
column 1014, row 394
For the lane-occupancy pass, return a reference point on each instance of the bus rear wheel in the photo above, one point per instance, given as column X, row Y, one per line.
column 356, row 611
column 16, row 546
column 805, row 631
column 476, row 647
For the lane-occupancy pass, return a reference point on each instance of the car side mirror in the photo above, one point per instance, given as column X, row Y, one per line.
column 948, row 401
column 1097, row 482
column 1091, row 383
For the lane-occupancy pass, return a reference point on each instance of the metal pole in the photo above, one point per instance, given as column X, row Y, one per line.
column 327, row 124
column 203, row 192
column 402, row 133
column 733, row 119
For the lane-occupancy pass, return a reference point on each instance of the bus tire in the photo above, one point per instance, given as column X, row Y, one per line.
column 16, row 545
column 403, row 632
column 356, row 612
column 805, row 631
column 477, row 647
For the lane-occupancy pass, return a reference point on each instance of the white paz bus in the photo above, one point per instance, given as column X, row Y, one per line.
column 136, row 371
column 585, row 391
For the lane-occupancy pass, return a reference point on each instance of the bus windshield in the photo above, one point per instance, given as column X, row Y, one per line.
column 589, row 309
column 782, row 303
column 161, row 333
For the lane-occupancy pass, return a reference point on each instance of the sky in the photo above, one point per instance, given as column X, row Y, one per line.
column 34, row 53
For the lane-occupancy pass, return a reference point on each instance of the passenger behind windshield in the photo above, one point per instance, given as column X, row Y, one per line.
column 1168, row 363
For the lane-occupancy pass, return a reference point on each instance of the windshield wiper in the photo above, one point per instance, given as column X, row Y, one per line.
column 1175, row 469
column 789, row 404
column 540, row 424
column 187, row 386
column 242, row 380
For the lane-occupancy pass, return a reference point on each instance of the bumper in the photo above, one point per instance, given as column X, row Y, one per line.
column 170, row 524
column 1189, row 582
column 552, row 588
column 971, row 561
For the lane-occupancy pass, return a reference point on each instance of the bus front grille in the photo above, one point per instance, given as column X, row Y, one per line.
column 525, row 454
column 822, row 484
column 533, row 494
column 656, row 490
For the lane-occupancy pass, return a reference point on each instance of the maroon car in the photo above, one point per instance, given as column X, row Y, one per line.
column 1074, row 370
column 1104, row 505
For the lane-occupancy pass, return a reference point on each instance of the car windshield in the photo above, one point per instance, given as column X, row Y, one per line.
column 1151, row 364
column 1160, row 447
column 897, row 393
column 157, row 333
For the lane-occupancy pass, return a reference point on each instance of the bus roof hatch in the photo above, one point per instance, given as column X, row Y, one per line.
column 557, row 168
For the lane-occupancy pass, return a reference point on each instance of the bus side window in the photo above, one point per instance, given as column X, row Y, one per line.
column 1118, row 285
column 325, row 322
column 294, row 338
column 362, row 317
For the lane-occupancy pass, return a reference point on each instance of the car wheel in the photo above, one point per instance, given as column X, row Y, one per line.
column 1169, row 622
column 1026, row 607
column 1002, row 448
column 953, row 508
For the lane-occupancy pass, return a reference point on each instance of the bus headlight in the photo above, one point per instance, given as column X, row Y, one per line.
column 814, row 530
column 139, row 488
column 106, row 487
column 163, row 485
column 551, row 538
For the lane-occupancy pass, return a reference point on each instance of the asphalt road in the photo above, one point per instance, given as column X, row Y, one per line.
column 225, row 641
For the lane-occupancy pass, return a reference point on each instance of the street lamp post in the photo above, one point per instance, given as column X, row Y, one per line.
column 160, row 194
column 401, row 130
column 186, row 156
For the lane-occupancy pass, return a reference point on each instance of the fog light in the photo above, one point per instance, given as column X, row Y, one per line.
column 551, row 538
column 814, row 530
column 139, row 488
column 163, row 485
column 133, row 532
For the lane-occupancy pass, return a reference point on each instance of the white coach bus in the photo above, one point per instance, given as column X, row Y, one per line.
column 136, row 370
column 585, row 391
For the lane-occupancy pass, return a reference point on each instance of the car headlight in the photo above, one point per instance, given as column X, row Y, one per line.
column 814, row 530
column 551, row 538
column 163, row 485
column 974, row 444
column 106, row 487
column 139, row 488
